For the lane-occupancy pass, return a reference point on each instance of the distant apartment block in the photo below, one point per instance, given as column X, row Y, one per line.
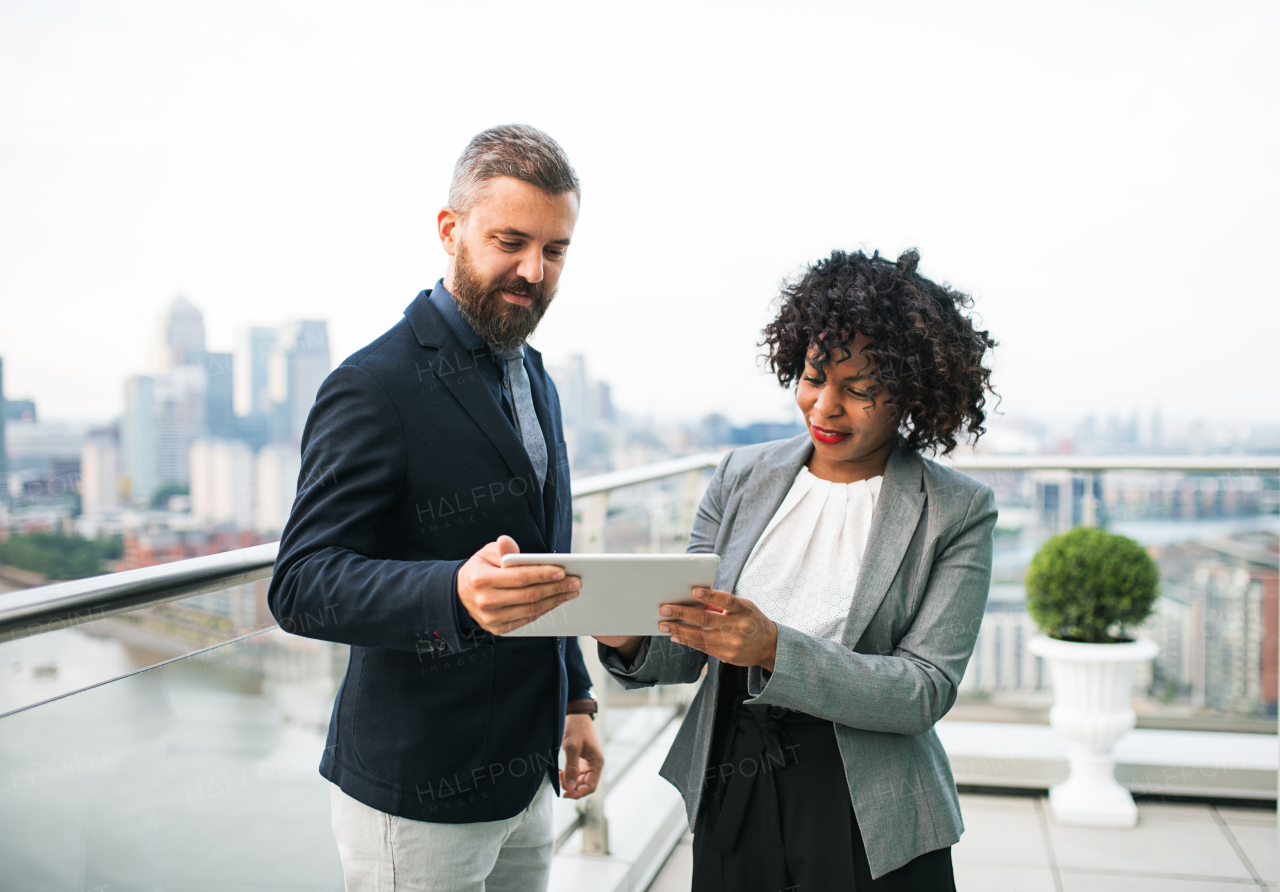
column 138, row 441
column 100, row 471
column 222, row 483
column 278, row 467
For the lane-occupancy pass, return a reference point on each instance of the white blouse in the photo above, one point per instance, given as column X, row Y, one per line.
column 802, row 571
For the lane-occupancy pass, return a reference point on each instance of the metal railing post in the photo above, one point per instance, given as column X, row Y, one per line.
column 595, row 827
column 1088, row 504
column 595, row 511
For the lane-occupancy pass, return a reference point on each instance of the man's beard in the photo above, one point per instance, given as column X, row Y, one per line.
column 503, row 324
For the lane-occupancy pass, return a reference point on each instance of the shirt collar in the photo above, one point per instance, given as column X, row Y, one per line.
column 448, row 307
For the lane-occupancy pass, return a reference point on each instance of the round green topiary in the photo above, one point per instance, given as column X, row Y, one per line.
column 1089, row 585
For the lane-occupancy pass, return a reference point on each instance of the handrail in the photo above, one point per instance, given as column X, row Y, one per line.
column 602, row 483
column 50, row 607
column 1193, row 463
column 46, row 608
column 1209, row 464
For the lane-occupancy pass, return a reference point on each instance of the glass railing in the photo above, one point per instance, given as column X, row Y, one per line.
column 158, row 730
column 195, row 773
column 1210, row 522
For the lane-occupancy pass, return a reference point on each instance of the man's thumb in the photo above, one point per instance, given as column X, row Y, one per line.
column 507, row 545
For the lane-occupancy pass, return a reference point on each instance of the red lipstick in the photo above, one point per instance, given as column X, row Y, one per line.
column 829, row 437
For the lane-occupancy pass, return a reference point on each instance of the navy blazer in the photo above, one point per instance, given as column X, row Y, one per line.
column 410, row 466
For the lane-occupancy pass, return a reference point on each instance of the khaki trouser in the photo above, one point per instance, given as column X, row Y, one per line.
column 386, row 853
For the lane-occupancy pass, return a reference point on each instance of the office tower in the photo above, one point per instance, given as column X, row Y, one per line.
column 255, row 419
column 181, row 335
column 278, row 467
column 222, row 483
column 181, row 395
column 220, row 410
column 253, row 359
column 175, row 410
column 20, row 410
column 571, row 384
column 587, row 409
column 299, row 365
column 138, row 440
column 99, row 471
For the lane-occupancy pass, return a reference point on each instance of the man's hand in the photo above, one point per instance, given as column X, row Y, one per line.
column 583, row 758
column 504, row 600
column 730, row 628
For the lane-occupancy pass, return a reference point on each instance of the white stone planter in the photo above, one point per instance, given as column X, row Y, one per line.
column 1092, row 685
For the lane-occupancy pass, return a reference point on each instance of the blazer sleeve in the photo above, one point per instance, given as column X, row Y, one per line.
column 329, row 583
column 576, row 667
column 908, row 691
column 659, row 661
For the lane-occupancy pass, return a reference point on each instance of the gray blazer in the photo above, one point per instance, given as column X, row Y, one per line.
column 913, row 620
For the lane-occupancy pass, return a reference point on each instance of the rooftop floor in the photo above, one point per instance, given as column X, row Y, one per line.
column 1011, row 844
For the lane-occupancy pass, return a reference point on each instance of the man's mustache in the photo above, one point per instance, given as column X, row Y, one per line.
column 523, row 288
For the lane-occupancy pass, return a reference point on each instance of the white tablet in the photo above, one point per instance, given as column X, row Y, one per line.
column 620, row 593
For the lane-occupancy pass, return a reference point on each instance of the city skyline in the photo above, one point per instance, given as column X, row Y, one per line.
column 1108, row 199
column 249, row 350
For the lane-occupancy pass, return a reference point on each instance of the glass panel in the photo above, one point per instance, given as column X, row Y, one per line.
column 1214, row 537
column 648, row 518
column 195, row 774
column 656, row 517
column 54, row 663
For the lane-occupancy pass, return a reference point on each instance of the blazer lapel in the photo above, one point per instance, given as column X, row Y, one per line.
column 893, row 523
column 762, row 494
column 454, row 367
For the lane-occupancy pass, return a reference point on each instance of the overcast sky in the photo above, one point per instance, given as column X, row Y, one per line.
column 1101, row 177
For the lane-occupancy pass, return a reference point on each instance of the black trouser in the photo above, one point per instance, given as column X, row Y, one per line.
column 776, row 814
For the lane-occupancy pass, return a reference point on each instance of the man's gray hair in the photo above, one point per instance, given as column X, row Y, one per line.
column 512, row 150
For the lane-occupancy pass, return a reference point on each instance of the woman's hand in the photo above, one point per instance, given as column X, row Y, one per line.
column 732, row 629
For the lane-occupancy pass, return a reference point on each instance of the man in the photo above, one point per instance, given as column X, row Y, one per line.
column 427, row 456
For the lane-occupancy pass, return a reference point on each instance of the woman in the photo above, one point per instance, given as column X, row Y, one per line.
column 853, row 577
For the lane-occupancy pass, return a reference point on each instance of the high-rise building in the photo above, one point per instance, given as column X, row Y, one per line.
column 299, row 365
column 20, row 410
column 222, row 483
column 100, row 471
column 278, row 467
column 220, row 411
column 184, row 393
column 138, row 433
column 256, row 416
column 253, row 360
column 181, row 396
column 272, row 380
column 587, row 408
column 181, row 335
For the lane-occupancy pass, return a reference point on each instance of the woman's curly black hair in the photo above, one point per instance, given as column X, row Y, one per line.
column 927, row 353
